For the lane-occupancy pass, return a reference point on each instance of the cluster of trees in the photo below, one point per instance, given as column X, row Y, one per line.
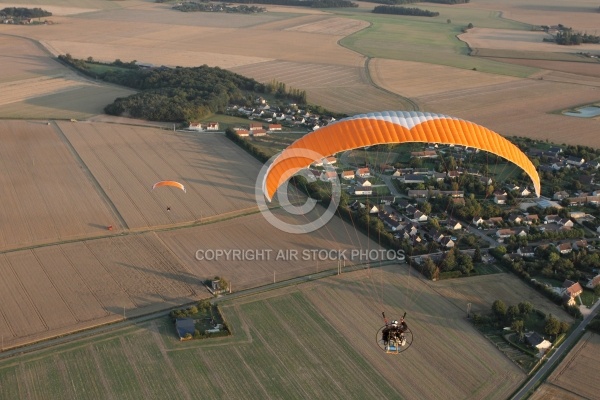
column 454, row 264
column 178, row 94
column 515, row 316
column 280, row 90
column 392, row 2
column 218, row 7
column 21, row 12
column 567, row 36
column 203, row 307
column 417, row 12
column 257, row 153
column 521, row 269
column 304, row 3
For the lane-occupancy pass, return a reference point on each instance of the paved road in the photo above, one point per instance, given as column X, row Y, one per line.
column 557, row 355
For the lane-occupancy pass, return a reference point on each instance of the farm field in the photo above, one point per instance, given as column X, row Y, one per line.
column 578, row 14
column 444, row 339
column 576, row 376
column 345, row 89
column 273, row 352
column 158, row 35
column 413, row 79
column 495, row 107
column 482, row 291
column 530, row 41
column 38, row 87
column 46, row 193
column 55, row 290
column 241, row 233
column 310, row 340
column 127, row 160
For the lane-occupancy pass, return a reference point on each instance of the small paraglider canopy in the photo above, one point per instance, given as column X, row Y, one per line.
column 169, row 183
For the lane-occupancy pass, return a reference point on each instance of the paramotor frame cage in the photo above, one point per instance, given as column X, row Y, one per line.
column 394, row 345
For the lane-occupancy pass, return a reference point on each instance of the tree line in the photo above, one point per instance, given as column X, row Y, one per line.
column 217, row 7
column 396, row 2
column 179, row 94
column 304, row 3
column 21, row 12
column 404, row 11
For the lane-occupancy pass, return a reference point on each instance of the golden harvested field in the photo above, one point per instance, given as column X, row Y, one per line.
column 46, row 193
column 253, row 234
column 413, row 79
column 579, row 69
column 36, row 86
column 444, row 340
column 490, row 100
column 158, row 35
column 581, row 15
column 67, row 7
column 50, row 291
column 332, row 26
column 337, row 87
column 532, row 116
column 531, row 41
column 577, row 375
column 127, row 160
column 22, row 59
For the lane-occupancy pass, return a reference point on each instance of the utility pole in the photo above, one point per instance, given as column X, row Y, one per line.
column 468, row 310
column 123, row 311
column 273, row 276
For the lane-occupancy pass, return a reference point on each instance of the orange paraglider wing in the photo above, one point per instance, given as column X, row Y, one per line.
column 169, row 183
column 390, row 127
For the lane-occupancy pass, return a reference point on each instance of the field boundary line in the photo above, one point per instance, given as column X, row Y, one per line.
column 412, row 103
column 156, row 338
column 368, row 77
column 90, row 175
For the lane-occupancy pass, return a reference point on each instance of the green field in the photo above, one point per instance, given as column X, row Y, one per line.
column 274, row 353
column 406, row 38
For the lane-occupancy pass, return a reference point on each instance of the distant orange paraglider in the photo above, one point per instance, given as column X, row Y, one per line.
column 390, row 127
column 169, row 183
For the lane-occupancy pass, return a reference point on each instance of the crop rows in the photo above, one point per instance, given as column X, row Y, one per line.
column 578, row 372
column 127, row 161
column 240, row 234
column 46, row 195
column 443, row 339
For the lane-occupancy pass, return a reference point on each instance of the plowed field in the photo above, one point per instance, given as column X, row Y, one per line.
column 51, row 291
column 127, row 160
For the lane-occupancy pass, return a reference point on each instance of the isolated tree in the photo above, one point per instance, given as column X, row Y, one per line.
column 448, row 21
column 470, row 26
column 552, row 326
column 499, row 309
